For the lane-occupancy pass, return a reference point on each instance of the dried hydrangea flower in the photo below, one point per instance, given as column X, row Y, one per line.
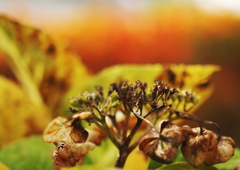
column 162, row 146
column 206, row 148
column 223, row 152
column 72, row 141
column 68, row 153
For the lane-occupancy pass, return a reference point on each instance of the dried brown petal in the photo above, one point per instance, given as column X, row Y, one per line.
column 56, row 130
column 78, row 134
column 163, row 147
column 68, row 153
column 224, row 151
column 197, row 146
column 175, row 135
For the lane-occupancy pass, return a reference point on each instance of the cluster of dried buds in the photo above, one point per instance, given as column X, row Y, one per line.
column 198, row 145
column 139, row 111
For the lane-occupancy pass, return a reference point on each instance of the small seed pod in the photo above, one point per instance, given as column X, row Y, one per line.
column 223, row 152
column 163, row 147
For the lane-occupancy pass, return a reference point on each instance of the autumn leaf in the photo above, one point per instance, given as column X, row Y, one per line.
column 19, row 115
column 45, row 69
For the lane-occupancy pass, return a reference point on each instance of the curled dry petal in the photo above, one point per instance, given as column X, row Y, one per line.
column 71, row 139
column 224, row 151
column 61, row 127
column 68, row 153
column 205, row 148
column 175, row 135
column 78, row 133
column 56, row 130
column 163, row 147
column 194, row 149
column 82, row 115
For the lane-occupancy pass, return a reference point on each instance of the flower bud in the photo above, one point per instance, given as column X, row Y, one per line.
column 114, row 96
column 82, row 115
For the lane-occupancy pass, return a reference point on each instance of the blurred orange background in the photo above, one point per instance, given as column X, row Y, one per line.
column 115, row 32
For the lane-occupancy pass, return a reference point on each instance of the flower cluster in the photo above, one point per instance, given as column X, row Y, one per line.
column 131, row 108
column 198, row 145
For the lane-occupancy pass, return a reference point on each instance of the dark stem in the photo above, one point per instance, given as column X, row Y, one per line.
column 195, row 118
column 115, row 124
column 216, row 125
column 127, row 114
column 133, row 132
column 123, row 154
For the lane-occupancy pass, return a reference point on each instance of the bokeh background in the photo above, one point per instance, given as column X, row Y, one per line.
column 105, row 33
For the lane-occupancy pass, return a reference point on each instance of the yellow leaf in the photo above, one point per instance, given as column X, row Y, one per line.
column 19, row 116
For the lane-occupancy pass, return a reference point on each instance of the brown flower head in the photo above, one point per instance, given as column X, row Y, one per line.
column 162, row 146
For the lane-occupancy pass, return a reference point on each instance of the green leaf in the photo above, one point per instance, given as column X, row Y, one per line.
column 104, row 155
column 186, row 166
column 153, row 164
column 91, row 167
column 28, row 154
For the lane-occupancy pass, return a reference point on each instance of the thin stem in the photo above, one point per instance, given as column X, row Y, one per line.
column 216, row 125
column 153, row 110
column 133, row 132
column 115, row 124
column 195, row 118
column 127, row 114
column 104, row 127
column 136, row 143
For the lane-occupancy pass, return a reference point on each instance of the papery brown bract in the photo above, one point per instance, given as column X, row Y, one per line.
column 175, row 134
column 223, row 152
column 78, row 133
column 56, row 130
column 198, row 146
column 162, row 146
column 68, row 153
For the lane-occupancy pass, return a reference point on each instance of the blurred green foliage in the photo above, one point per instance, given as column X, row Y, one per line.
column 28, row 154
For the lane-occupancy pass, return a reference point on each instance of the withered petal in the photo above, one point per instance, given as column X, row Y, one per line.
column 56, row 130
column 79, row 135
column 224, row 151
column 163, row 147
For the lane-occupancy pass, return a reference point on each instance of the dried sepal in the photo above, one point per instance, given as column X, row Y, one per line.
column 223, row 152
column 78, row 133
column 71, row 139
column 206, row 148
column 56, row 130
column 162, row 146
column 175, row 134
column 196, row 146
column 68, row 153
